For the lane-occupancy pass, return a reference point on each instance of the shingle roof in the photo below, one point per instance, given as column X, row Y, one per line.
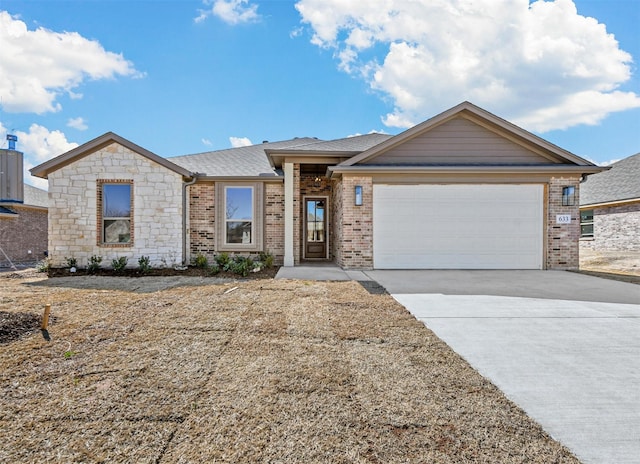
column 356, row 143
column 241, row 161
column 35, row 196
column 621, row 182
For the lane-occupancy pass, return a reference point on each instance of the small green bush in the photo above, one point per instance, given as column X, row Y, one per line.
column 44, row 265
column 119, row 264
column 93, row 264
column 213, row 269
column 266, row 259
column 224, row 261
column 72, row 262
column 241, row 265
column 201, row 261
column 143, row 264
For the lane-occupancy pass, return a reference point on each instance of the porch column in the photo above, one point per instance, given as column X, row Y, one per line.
column 288, row 214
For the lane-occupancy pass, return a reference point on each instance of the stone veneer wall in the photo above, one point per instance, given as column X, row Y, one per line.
column 202, row 224
column 157, row 209
column 25, row 232
column 562, row 239
column 615, row 228
column 355, row 231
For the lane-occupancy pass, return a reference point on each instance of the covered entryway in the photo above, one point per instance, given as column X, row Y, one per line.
column 458, row 226
column 315, row 241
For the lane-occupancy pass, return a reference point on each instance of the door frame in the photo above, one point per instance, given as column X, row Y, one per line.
column 325, row 198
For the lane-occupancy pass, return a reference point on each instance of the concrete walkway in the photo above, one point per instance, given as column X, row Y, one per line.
column 320, row 272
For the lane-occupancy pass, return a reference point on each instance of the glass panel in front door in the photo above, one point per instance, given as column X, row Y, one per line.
column 315, row 220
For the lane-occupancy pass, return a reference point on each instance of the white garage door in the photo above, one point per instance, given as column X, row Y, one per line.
column 458, row 226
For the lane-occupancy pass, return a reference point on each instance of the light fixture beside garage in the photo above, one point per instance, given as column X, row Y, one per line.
column 568, row 196
column 358, row 195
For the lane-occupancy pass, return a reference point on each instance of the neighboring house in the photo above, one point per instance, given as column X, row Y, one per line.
column 23, row 214
column 610, row 208
column 465, row 189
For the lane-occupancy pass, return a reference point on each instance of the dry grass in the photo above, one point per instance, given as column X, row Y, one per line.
column 273, row 371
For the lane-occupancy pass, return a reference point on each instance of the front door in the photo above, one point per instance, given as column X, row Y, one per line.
column 316, row 228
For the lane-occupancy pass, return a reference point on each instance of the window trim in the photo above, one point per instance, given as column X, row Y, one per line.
column 257, row 217
column 588, row 222
column 100, row 237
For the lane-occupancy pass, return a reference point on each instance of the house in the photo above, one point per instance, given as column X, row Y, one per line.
column 23, row 213
column 464, row 189
column 610, row 208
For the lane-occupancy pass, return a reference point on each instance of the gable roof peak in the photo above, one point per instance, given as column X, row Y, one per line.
column 481, row 117
column 96, row 144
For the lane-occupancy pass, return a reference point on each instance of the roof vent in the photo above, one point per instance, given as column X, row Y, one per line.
column 265, row 141
column 12, row 139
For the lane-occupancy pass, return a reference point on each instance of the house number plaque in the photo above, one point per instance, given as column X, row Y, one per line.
column 563, row 219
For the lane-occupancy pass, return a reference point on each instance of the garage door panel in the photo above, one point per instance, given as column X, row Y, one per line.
column 458, row 226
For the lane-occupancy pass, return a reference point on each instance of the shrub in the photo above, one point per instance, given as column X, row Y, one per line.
column 266, row 259
column 201, row 261
column 224, row 261
column 44, row 265
column 143, row 264
column 94, row 264
column 119, row 264
column 72, row 262
column 241, row 265
column 213, row 269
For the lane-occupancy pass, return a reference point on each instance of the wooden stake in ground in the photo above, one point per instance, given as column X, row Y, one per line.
column 45, row 317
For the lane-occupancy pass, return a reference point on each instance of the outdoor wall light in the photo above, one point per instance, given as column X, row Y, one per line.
column 568, row 196
column 358, row 195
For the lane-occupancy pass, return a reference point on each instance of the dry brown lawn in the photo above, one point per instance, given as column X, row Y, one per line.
column 186, row 371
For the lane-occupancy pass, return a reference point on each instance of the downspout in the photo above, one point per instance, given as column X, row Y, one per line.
column 184, row 217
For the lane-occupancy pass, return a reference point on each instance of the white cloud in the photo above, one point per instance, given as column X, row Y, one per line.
column 237, row 142
column 230, row 11
column 543, row 65
column 77, row 123
column 37, row 66
column 206, row 142
column 39, row 145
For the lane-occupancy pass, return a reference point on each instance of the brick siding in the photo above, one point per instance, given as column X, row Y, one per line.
column 23, row 233
column 355, row 242
column 615, row 228
column 562, row 239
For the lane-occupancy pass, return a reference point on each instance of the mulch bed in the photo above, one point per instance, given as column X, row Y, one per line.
column 190, row 271
column 247, row 371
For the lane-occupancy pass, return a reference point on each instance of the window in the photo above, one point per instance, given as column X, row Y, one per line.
column 586, row 223
column 239, row 216
column 568, row 196
column 114, row 207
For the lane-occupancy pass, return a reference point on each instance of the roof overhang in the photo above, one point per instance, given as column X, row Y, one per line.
column 278, row 157
column 270, row 178
column 96, row 144
column 611, row 203
column 336, row 171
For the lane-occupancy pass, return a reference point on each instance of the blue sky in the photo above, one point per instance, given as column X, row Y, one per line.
column 181, row 77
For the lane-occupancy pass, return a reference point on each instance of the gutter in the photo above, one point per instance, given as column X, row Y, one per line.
column 184, row 216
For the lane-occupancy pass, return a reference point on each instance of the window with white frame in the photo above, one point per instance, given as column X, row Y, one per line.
column 586, row 223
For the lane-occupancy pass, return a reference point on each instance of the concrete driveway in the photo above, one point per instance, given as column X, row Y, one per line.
column 563, row 346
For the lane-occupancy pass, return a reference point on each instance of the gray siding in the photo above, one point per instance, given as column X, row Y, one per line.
column 459, row 141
